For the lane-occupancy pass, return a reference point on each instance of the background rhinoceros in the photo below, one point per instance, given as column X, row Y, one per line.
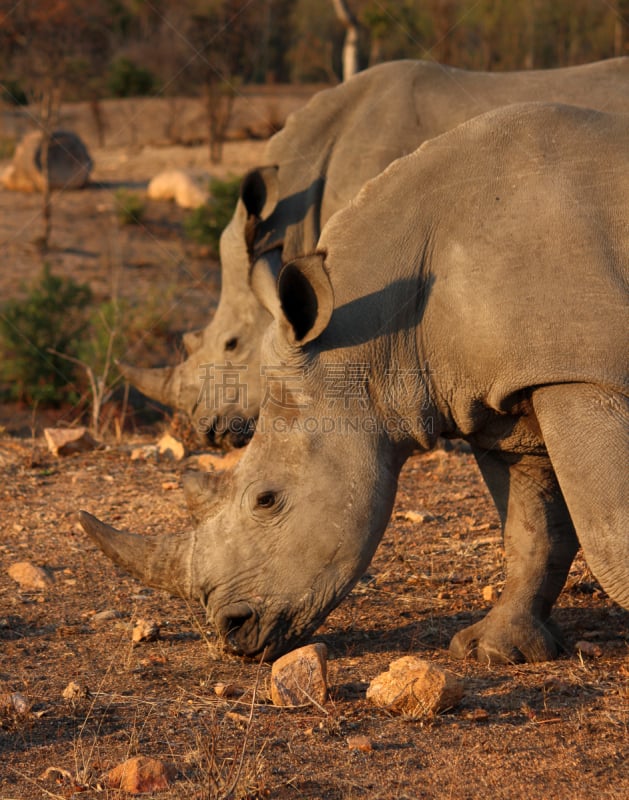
column 490, row 268
column 327, row 150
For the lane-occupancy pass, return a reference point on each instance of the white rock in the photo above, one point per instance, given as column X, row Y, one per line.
column 177, row 185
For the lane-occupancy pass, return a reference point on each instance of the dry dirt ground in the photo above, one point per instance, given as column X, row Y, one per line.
column 556, row 730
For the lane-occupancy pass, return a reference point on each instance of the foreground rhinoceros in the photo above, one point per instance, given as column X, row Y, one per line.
column 477, row 289
column 328, row 149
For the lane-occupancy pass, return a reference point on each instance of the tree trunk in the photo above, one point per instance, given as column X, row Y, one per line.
column 219, row 103
column 350, row 47
column 620, row 26
column 46, row 119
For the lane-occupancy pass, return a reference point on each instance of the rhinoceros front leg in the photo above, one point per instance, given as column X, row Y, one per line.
column 540, row 543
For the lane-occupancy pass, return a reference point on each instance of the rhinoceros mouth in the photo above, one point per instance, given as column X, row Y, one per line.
column 246, row 633
column 238, row 624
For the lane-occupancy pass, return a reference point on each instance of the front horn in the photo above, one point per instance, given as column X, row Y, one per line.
column 161, row 384
column 163, row 562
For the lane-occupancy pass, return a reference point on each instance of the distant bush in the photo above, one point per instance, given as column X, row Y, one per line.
column 130, row 207
column 128, row 79
column 51, row 316
column 206, row 223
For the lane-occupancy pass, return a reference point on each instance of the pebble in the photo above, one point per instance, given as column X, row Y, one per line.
column 145, row 630
column 75, row 691
column 66, row 441
column 361, row 743
column 140, row 775
column 415, row 516
column 105, row 616
column 171, row 448
column 30, row 576
column 16, row 702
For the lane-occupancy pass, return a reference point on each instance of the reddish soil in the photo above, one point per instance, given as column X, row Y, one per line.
column 555, row 730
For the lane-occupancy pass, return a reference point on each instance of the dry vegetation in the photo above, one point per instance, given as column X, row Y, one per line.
column 555, row 730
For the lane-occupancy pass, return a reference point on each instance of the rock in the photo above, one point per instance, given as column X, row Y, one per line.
column 171, row 447
column 74, row 691
column 415, row 516
column 14, row 702
column 300, row 677
column 105, row 616
column 240, row 719
column 29, row 576
column 227, row 690
column 416, row 688
column 490, row 594
column 140, row 775
column 69, row 163
column 177, row 185
column 361, row 743
column 65, row 441
column 211, row 463
column 145, row 630
column 588, row 649
column 144, row 453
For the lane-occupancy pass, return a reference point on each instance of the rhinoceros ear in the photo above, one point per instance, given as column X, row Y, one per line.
column 263, row 281
column 259, row 192
column 306, row 297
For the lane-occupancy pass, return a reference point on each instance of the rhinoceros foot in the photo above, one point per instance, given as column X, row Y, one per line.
column 503, row 639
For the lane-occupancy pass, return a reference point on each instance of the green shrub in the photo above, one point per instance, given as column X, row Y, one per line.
column 205, row 224
column 129, row 207
column 128, row 79
column 51, row 316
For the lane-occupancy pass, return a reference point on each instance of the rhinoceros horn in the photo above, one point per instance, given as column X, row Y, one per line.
column 164, row 562
column 161, row 384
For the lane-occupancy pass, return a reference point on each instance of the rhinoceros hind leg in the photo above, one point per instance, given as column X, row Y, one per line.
column 540, row 544
column 586, row 431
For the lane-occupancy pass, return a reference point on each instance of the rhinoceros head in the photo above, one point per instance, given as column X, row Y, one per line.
column 219, row 382
column 281, row 540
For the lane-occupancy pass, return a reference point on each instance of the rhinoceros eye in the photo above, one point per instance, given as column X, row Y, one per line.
column 231, row 344
column 265, row 500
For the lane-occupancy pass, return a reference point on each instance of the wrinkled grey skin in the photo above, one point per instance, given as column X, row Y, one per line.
column 492, row 266
column 341, row 138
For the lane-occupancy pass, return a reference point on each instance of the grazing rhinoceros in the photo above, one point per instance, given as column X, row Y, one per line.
column 478, row 289
column 340, row 139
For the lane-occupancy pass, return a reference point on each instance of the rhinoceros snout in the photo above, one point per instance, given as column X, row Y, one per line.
column 228, row 434
column 238, row 626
